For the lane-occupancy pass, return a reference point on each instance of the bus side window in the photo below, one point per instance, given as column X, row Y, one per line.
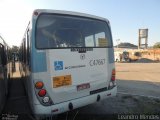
column 28, row 47
column 0, row 54
column 24, row 50
column 3, row 56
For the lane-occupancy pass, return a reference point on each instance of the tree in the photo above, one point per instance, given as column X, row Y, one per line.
column 14, row 49
column 156, row 45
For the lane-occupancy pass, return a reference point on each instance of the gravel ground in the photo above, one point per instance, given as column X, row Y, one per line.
column 145, row 60
column 114, row 107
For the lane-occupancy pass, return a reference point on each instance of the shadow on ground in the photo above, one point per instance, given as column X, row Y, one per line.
column 17, row 103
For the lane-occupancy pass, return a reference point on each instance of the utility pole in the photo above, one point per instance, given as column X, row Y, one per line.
column 118, row 40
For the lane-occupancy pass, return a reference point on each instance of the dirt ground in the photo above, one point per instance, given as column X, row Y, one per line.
column 138, row 71
column 139, row 78
column 117, row 106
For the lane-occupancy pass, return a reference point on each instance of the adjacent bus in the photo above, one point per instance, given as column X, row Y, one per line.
column 3, row 72
column 67, row 61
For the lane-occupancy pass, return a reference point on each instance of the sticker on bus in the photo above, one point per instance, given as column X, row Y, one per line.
column 102, row 42
column 60, row 81
column 58, row 65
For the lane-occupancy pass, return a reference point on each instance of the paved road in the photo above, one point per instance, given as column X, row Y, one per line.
column 17, row 102
column 17, row 106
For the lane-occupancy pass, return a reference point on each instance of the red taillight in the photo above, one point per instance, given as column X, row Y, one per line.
column 112, row 82
column 39, row 85
column 113, row 72
column 42, row 93
column 113, row 75
column 113, row 78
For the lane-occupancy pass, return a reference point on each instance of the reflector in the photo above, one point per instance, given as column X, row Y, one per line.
column 46, row 99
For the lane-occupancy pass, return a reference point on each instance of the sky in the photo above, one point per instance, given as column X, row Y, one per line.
column 126, row 17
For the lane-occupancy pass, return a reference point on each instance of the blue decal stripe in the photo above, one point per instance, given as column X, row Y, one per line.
column 111, row 55
column 39, row 63
column 38, row 59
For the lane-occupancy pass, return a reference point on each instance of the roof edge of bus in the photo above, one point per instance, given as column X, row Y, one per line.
column 71, row 13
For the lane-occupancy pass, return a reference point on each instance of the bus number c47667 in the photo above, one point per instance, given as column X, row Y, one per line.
column 97, row 62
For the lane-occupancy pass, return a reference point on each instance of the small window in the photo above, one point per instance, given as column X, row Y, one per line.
column 89, row 41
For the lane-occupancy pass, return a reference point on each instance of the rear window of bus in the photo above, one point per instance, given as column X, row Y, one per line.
column 62, row 31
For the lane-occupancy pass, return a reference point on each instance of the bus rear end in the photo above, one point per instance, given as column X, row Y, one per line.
column 72, row 61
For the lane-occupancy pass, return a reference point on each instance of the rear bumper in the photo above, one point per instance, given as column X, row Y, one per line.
column 63, row 107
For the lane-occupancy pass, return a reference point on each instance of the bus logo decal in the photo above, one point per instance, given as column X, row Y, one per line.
column 82, row 56
column 58, row 65
column 81, row 50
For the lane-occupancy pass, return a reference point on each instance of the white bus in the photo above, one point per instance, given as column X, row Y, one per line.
column 67, row 61
column 4, row 73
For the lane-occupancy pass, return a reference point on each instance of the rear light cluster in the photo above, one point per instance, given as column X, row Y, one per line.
column 42, row 94
column 113, row 75
column 112, row 82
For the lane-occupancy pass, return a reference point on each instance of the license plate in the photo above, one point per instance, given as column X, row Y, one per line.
column 83, row 86
column 60, row 81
